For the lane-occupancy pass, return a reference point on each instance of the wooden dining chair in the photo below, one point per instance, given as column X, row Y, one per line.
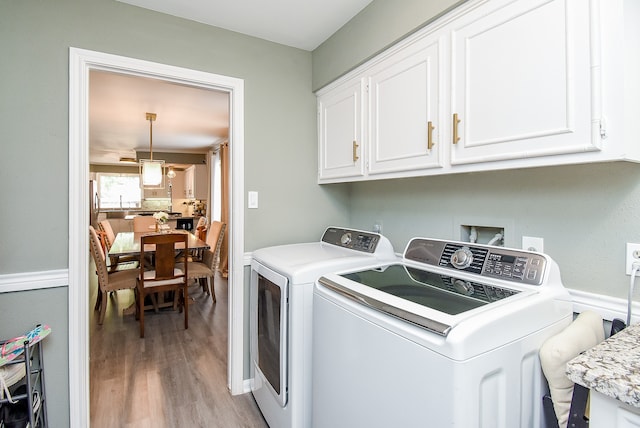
column 109, row 237
column 102, row 236
column 107, row 282
column 164, row 276
column 201, row 228
column 195, row 254
column 105, row 226
column 143, row 223
column 205, row 271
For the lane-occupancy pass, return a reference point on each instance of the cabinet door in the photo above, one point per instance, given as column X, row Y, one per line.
column 178, row 186
column 189, row 182
column 404, row 109
column 200, row 187
column 340, row 132
column 155, row 193
column 521, row 81
column 607, row 412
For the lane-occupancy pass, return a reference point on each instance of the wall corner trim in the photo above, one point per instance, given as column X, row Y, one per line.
column 34, row 280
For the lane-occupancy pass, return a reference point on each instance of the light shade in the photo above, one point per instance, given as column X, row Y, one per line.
column 171, row 173
column 152, row 173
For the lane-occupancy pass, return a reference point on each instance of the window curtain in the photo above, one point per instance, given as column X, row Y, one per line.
column 224, row 207
column 213, row 209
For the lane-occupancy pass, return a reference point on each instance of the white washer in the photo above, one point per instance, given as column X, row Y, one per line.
column 282, row 280
column 447, row 337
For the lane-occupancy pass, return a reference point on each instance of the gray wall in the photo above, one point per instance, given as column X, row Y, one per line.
column 280, row 141
column 585, row 213
column 280, row 127
column 21, row 312
column 377, row 26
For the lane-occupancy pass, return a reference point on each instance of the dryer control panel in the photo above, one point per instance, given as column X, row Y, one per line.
column 352, row 239
column 509, row 264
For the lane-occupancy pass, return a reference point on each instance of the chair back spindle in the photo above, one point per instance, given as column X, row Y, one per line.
column 164, row 276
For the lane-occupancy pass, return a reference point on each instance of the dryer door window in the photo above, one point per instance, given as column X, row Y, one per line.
column 269, row 324
column 270, row 338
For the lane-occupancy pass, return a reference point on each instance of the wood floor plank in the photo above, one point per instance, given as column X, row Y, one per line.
column 171, row 378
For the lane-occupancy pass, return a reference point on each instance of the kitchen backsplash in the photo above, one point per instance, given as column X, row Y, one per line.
column 159, row 204
column 184, row 206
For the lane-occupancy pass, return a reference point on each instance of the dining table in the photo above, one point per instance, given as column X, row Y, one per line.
column 128, row 243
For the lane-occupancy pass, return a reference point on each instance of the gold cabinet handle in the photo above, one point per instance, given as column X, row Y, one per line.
column 456, row 121
column 355, row 151
column 430, row 129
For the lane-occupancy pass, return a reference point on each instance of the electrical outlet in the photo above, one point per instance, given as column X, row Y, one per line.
column 531, row 243
column 633, row 256
column 377, row 227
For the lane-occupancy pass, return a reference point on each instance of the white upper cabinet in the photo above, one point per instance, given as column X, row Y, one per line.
column 195, row 182
column 521, row 82
column 404, row 105
column 189, row 182
column 340, row 132
column 499, row 84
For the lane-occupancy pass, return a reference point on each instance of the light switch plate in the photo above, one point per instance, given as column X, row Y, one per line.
column 252, row 199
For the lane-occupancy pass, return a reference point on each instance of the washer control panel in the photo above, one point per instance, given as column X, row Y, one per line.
column 478, row 290
column 505, row 263
column 353, row 239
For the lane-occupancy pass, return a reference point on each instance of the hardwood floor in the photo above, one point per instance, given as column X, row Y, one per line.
column 171, row 378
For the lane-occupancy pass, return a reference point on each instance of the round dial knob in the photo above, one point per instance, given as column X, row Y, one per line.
column 346, row 239
column 462, row 258
column 463, row 287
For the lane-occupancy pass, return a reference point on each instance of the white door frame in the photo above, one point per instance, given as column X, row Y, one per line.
column 80, row 63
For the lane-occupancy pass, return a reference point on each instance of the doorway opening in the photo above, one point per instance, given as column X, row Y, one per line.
column 81, row 62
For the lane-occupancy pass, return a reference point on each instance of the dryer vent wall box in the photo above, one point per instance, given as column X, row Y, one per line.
column 492, row 235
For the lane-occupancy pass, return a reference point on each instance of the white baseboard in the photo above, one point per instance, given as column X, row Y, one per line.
column 608, row 307
column 247, row 258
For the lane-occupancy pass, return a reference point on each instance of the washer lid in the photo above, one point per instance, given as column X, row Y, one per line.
column 444, row 293
column 427, row 298
column 304, row 263
column 338, row 249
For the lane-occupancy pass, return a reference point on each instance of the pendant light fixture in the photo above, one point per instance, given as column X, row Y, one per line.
column 151, row 171
column 171, row 173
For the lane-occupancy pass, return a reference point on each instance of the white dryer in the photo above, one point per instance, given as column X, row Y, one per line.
column 282, row 281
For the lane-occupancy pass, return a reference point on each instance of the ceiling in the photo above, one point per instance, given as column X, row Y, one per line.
column 301, row 24
column 188, row 119
column 191, row 119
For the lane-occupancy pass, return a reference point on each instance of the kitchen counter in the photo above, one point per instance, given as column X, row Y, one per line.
column 129, row 214
column 122, row 220
column 612, row 367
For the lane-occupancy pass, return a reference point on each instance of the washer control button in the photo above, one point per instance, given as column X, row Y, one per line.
column 346, row 239
column 463, row 287
column 462, row 258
